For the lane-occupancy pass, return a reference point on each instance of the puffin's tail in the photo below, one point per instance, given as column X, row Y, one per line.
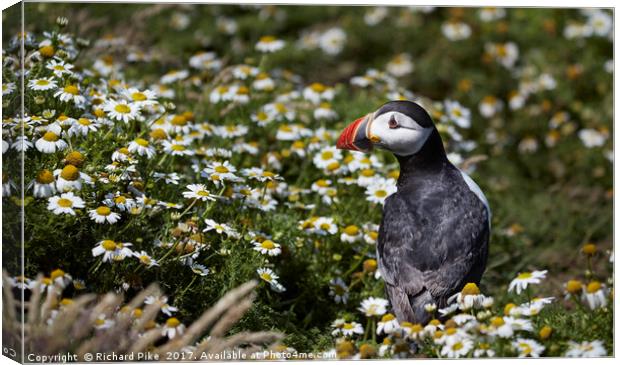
column 409, row 308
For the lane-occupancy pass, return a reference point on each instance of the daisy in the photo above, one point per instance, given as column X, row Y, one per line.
column 42, row 84
column 199, row 269
column 59, row 67
column 339, row 290
column 528, row 347
column 490, row 106
column 325, row 112
column 70, row 92
column 484, row 350
column 198, row 191
column 70, row 178
column 269, row 44
column 457, row 347
column 44, row 184
column 101, row 322
column 351, row 328
column 372, row 306
column 142, row 147
column 205, row 61
column 111, row 250
column 400, row 65
column 121, row 155
column 595, row 295
column 122, row 110
column 380, row 190
column 50, row 142
column 263, row 82
column 145, row 259
column 82, row 127
column 279, row 111
column 104, row 214
column 489, row 14
column 326, row 157
column 256, row 173
column 174, row 76
column 504, row 53
column 220, row 228
column 522, row 280
column 177, row 149
column 65, row 203
column 332, row 41
column 351, row 234
column 172, row 328
column 230, row 131
column 586, row 349
column 219, row 94
column 8, row 88
column 140, row 98
column 317, row 92
column 270, row 277
column 468, row 298
column 220, row 171
column 267, row 247
column 458, row 114
column 60, row 278
column 324, row 226
column 500, row 327
column 21, row 144
column 162, row 302
column 388, row 324
column 455, row 31
column 592, row 138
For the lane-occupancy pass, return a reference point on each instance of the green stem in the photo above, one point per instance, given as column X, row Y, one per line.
column 189, row 285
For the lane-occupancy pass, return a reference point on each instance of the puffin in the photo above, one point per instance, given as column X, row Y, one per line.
column 434, row 232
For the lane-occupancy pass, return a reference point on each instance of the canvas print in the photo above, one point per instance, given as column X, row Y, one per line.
column 210, row 182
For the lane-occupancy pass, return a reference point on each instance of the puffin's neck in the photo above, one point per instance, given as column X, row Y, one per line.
column 430, row 160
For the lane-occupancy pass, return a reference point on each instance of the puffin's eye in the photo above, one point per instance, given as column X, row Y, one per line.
column 393, row 123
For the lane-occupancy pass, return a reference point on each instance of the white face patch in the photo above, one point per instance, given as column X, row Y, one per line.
column 402, row 135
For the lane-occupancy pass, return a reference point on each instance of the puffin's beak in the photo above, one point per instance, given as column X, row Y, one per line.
column 355, row 136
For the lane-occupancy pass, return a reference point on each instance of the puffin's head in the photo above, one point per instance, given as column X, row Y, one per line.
column 401, row 127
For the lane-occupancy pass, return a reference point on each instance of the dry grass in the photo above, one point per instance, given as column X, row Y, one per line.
column 52, row 326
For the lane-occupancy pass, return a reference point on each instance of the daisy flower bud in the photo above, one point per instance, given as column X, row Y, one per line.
column 589, row 249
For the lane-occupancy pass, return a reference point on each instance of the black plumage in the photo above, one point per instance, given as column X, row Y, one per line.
column 434, row 233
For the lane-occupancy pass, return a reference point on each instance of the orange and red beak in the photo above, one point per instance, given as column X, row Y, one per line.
column 355, row 136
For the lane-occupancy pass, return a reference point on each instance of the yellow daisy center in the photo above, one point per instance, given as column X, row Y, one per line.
column 56, row 274
column 267, row 39
column 65, row 203
column 221, row 169
column 593, row 287
column 50, row 136
column 142, row 142
column 268, row 245
column 138, row 96
column 70, row 173
column 172, row 322
column 103, row 211
column 351, row 230
column 524, row 275
column 109, row 245
column 122, row 108
column 380, row 193
column 71, row 89
column 45, row 177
